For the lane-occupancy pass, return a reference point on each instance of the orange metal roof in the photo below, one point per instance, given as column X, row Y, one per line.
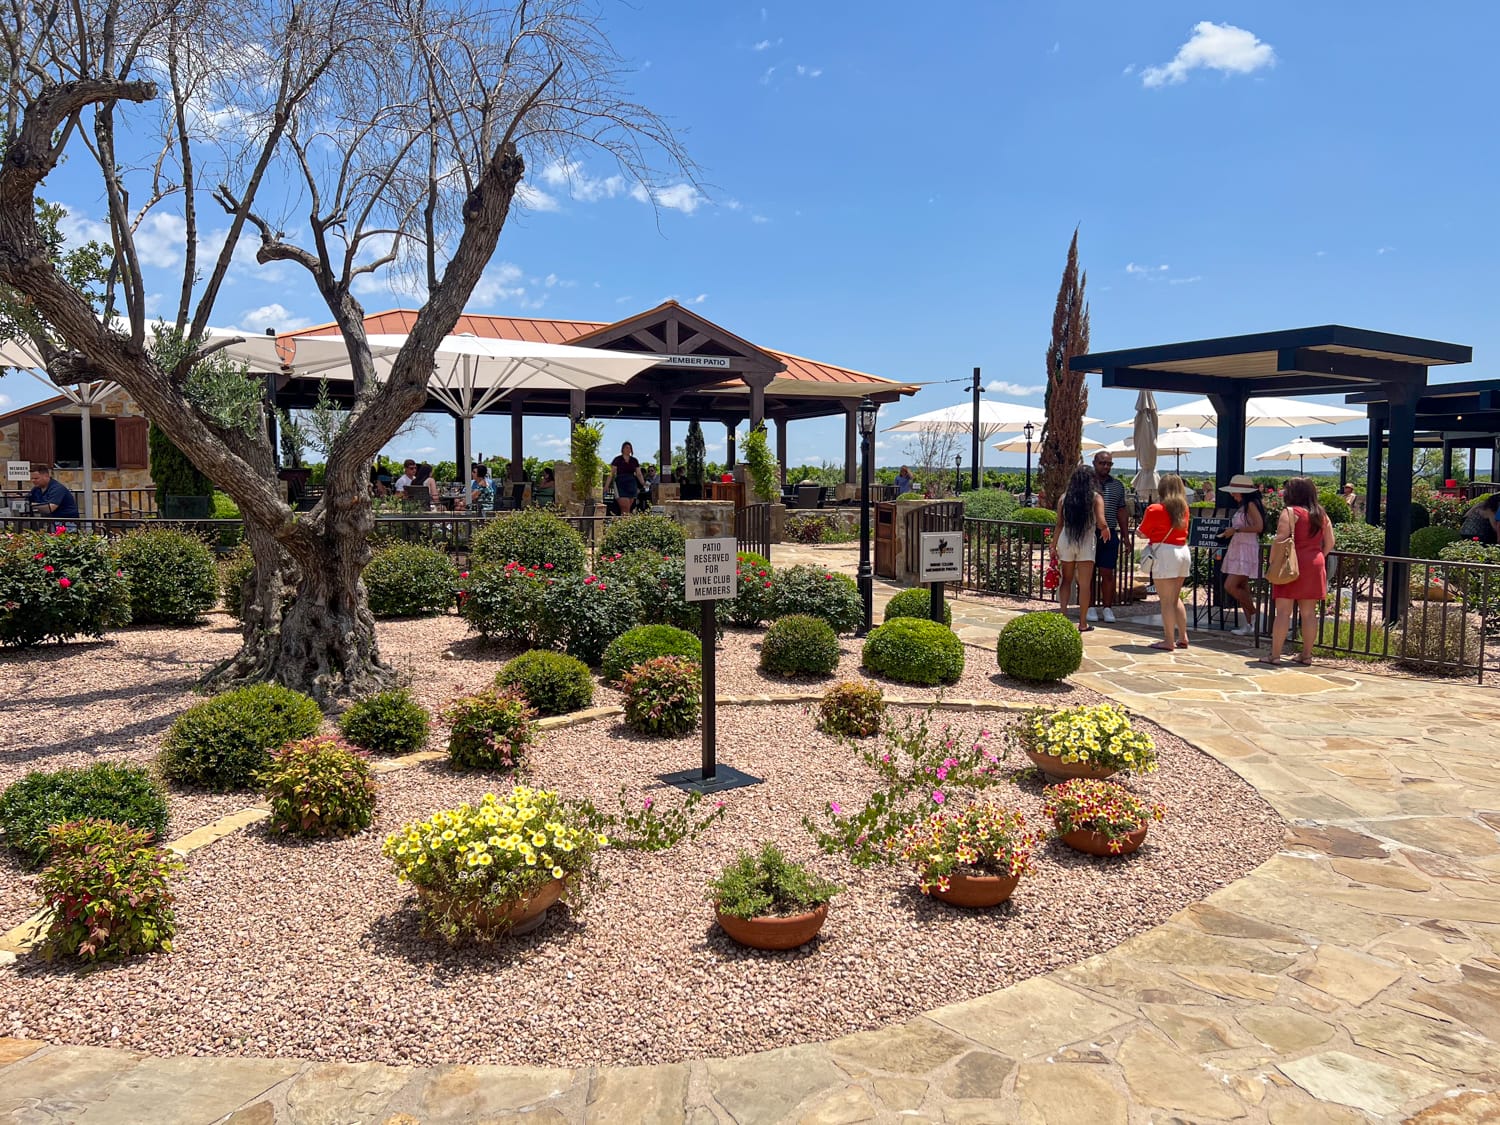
column 549, row 331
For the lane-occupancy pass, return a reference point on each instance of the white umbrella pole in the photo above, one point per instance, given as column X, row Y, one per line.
column 88, row 463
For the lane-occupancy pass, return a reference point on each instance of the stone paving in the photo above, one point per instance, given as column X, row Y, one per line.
column 1354, row 977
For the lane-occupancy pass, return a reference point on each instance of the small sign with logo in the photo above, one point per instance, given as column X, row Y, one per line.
column 941, row 556
column 18, row 470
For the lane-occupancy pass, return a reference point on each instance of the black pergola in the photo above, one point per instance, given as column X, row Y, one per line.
column 1330, row 359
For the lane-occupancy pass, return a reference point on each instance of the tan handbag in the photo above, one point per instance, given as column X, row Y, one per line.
column 1282, row 568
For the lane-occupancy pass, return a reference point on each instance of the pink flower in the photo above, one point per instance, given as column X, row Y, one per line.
column 47, row 570
column 942, row 773
column 119, row 574
column 602, row 586
column 64, row 583
column 937, row 796
column 59, row 529
column 648, row 804
column 835, row 808
column 589, row 581
column 465, row 574
column 39, row 555
column 546, row 566
column 768, row 585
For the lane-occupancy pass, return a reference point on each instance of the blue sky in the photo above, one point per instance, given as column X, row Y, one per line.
column 893, row 189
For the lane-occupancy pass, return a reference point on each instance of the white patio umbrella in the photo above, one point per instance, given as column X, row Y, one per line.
column 995, row 418
column 1144, row 438
column 1176, row 441
column 1300, row 450
column 1260, row 413
column 1018, row 445
column 472, row 373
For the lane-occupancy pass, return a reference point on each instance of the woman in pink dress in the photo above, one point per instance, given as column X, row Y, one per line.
column 1304, row 522
column 1242, row 559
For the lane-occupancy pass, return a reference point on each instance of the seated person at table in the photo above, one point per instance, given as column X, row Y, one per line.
column 50, row 497
column 425, row 479
column 1480, row 521
column 482, row 490
column 407, row 478
column 545, row 492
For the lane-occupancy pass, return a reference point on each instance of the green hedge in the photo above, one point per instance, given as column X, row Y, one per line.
column 916, row 602
column 913, row 651
column 1040, row 647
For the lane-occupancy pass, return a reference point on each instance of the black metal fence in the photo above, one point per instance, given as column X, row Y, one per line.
column 109, row 503
column 1010, row 557
column 752, row 529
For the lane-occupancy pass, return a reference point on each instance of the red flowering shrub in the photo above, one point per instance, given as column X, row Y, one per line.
column 57, row 587
column 107, row 891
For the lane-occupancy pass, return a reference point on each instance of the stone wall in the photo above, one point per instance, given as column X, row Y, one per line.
column 702, row 519
column 116, row 404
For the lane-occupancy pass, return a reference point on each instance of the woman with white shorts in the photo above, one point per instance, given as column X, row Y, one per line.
column 1079, row 516
column 1165, row 528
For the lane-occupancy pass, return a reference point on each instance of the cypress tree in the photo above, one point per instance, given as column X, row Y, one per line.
column 1067, row 391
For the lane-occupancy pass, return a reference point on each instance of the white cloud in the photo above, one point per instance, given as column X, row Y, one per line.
column 1320, row 253
column 809, row 71
column 1128, row 71
column 698, row 300
column 535, row 199
column 77, row 228
column 765, row 79
column 1386, row 250
column 1185, row 280
column 1055, row 48
column 678, row 197
column 1132, row 268
column 580, row 185
column 275, row 316
column 161, row 240
column 4, row 401
column 765, row 45
column 1018, row 390
column 1212, row 46
column 759, row 219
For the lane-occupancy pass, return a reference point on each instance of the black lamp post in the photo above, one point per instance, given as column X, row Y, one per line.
column 1030, row 431
column 869, row 412
column 958, row 473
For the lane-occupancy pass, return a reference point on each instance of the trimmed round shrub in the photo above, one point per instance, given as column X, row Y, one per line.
column 40, row 801
column 389, row 722
column 990, row 504
column 551, row 682
column 319, row 787
column 1426, row 542
column 645, row 642
column 106, row 892
column 585, row 613
column 410, row 580
column 800, row 646
column 644, row 532
column 223, row 744
column 535, row 537
column 1336, row 507
column 1044, row 518
column 490, row 730
column 233, row 574
column 172, row 577
column 57, row 587
column 816, row 592
column 663, row 696
column 506, row 602
column 912, row 651
column 1040, row 647
column 852, row 709
column 916, row 602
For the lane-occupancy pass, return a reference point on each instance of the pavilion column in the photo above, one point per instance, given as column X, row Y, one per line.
column 1375, row 457
column 517, row 443
column 729, row 443
column 781, row 447
column 851, row 440
column 1403, row 430
column 1447, row 458
column 664, row 435
column 757, row 381
column 1343, row 472
column 577, row 408
column 1473, row 456
column 1229, row 459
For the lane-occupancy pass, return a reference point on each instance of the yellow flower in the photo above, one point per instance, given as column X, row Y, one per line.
column 539, row 839
column 557, row 872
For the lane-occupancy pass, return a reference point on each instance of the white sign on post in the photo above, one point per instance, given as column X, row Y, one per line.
column 18, row 470
column 711, row 567
column 940, row 555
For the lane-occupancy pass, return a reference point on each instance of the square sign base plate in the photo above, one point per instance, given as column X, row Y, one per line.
column 725, row 777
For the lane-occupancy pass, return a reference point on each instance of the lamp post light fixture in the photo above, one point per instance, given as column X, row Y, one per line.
column 958, row 473
column 868, row 415
column 1030, row 431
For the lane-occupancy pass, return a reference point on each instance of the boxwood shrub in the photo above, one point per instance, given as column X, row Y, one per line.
column 410, row 580
column 638, row 645
column 172, row 576
column 916, row 602
column 645, row 531
column 551, row 682
column 1427, row 542
column 31, row 807
column 57, row 587
column 535, row 537
column 389, row 722
column 223, row 744
column 1039, row 647
column 1044, row 518
column 800, row 646
column 817, row 592
column 912, row 651
column 585, row 612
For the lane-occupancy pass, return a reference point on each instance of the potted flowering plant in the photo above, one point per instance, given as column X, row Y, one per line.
column 970, row 858
column 1092, row 742
column 766, row 901
column 1100, row 817
column 485, row 871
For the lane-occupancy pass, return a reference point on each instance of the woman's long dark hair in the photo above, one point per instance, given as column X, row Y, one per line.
column 1077, row 508
column 1300, row 492
column 1252, row 500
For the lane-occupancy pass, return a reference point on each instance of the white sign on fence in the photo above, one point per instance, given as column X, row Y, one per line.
column 18, row 470
column 940, row 555
column 711, row 565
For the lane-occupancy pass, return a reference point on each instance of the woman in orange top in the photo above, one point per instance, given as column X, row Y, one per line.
column 1165, row 527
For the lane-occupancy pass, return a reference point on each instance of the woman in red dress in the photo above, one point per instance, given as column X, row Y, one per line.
column 1311, row 532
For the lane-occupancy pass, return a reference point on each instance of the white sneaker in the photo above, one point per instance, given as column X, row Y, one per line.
column 1109, row 615
column 1093, row 613
column 1242, row 631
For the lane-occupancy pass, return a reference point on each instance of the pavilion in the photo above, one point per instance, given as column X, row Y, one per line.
column 1330, row 359
column 707, row 374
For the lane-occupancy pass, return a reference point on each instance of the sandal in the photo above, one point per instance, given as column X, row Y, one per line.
column 1305, row 661
column 1163, row 646
column 1085, row 628
column 1267, row 660
column 1182, row 644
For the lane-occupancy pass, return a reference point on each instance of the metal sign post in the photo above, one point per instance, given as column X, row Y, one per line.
column 938, row 562
column 711, row 576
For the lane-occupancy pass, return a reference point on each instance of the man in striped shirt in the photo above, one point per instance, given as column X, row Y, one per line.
column 1107, row 554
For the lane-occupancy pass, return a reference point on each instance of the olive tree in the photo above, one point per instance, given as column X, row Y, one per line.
column 336, row 137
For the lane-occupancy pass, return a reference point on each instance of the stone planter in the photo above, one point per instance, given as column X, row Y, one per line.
column 775, row 933
column 1058, row 770
column 977, row 890
column 1097, row 843
column 508, row 921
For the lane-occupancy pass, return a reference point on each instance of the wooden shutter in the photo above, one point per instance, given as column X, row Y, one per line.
column 131, row 444
column 36, row 439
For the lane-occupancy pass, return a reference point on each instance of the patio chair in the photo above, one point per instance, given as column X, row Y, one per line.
column 810, row 496
column 419, row 495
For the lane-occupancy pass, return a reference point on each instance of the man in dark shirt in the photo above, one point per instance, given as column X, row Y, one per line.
column 49, row 497
column 1107, row 555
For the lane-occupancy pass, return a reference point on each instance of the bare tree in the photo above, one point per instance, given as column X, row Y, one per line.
column 1067, row 392
column 932, row 452
column 344, row 137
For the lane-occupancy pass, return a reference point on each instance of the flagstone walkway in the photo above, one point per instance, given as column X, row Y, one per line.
column 1354, row 977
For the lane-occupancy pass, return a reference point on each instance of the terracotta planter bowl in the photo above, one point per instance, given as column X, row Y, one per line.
column 519, row 918
column 977, row 890
column 1097, row 843
column 773, row 932
column 1057, row 768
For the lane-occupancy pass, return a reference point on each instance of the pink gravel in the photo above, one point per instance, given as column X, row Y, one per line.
column 312, row 950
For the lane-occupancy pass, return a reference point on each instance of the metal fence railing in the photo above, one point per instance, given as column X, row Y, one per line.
column 752, row 529
column 109, row 503
column 1010, row 557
